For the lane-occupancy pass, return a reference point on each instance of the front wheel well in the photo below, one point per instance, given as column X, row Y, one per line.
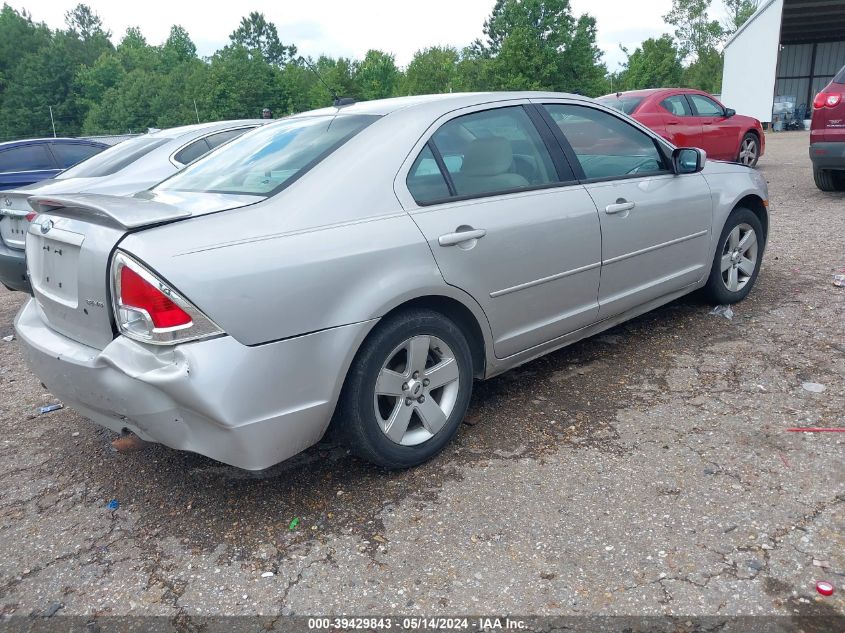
column 461, row 315
column 756, row 205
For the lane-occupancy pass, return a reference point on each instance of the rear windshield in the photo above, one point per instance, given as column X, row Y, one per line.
column 114, row 159
column 622, row 103
column 840, row 78
column 266, row 160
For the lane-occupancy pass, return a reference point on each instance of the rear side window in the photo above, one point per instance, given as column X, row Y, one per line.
column 115, row 158
column 705, row 107
column 494, row 151
column 26, row 158
column 425, row 180
column 272, row 157
column 216, row 140
column 622, row 103
column 606, row 146
column 677, row 105
column 69, row 154
column 192, row 152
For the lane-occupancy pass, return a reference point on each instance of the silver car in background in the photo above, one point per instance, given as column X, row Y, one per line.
column 363, row 265
column 131, row 166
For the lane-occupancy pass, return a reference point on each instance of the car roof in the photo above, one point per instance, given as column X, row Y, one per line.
column 201, row 128
column 58, row 140
column 448, row 101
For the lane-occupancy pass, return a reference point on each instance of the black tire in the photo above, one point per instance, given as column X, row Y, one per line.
column 356, row 423
column 828, row 179
column 716, row 289
column 749, row 137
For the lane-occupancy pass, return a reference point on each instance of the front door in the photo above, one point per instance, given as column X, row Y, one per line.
column 655, row 224
column 507, row 223
column 719, row 134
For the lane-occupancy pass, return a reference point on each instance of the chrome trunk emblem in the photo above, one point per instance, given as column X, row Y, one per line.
column 46, row 226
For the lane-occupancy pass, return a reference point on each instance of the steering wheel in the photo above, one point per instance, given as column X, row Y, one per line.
column 640, row 165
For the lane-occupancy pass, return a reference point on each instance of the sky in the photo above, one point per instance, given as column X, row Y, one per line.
column 341, row 27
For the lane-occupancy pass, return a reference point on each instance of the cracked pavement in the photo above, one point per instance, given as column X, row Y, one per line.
column 647, row 471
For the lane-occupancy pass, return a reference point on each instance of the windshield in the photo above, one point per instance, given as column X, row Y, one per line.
column 622, row 103
column 266, row 160
column 114, row 159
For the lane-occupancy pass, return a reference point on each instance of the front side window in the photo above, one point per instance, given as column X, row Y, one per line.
column 705, row 106
column 69, row 154
column 677, row 105
column 270, row 158
column 26, row 158
column 604, row 145
column 113, row 159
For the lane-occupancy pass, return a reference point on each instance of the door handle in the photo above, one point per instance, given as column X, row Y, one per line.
column 621, row 206
column 458, row 237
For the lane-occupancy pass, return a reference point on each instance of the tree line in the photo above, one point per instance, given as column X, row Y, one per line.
column 76, row 79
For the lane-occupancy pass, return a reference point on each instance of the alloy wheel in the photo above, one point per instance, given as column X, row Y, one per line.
column 748, row 152
column 739, row 257
column 416, row 390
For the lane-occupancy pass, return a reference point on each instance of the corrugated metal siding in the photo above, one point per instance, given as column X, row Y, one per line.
column 830, row 57
column 794, row 61
column 796, row 79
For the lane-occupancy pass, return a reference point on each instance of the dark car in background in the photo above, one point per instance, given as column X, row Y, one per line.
column 827, row 135
column 25, row 162
column 693, row 118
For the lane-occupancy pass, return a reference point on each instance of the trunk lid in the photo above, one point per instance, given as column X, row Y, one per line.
column 828, row 123
column 69, row 247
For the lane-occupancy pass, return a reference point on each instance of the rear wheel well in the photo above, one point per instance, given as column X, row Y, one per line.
column 755, row 204
column 463, row 318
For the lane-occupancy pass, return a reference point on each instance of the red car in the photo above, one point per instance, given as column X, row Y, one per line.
column 692, row 118
column 827, row 136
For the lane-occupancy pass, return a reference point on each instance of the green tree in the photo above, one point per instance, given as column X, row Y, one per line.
column 377, row 76
column 738, row 13
column 694, row 30
column 705, row 73
column 255, row 33
column 431, row 71
column 240, row 84
column 19, row 37
column 540, row 44
column 655, row 64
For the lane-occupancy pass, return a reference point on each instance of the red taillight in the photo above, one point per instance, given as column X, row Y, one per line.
column 31, row 216
column 137, row 292
column 827, row 100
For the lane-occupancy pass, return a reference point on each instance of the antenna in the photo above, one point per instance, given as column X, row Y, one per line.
column 336, row 100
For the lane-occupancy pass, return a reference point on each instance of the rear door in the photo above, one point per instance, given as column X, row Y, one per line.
column 655, row 225
column 506, row 222
column 682, row 128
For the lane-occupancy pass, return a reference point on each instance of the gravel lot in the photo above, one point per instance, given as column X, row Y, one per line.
column 647, row 471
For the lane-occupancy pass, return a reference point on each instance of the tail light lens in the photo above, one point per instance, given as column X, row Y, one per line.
column 827, row 100
column 147, row 309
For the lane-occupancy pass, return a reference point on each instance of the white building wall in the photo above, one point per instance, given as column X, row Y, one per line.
column 751, row 60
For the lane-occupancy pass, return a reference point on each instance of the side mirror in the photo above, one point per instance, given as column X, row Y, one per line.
column 688, row 160
column 729, row 112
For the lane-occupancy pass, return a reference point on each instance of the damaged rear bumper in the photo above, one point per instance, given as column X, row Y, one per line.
column 250, row 407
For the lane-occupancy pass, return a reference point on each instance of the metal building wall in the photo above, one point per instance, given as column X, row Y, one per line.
column 804, row 69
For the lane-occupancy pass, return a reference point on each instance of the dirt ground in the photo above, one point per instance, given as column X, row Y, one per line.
column 644, row 472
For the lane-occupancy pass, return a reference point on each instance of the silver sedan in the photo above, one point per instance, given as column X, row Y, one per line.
column 361, row 266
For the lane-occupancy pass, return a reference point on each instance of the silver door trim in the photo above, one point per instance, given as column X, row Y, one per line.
column 642, row 251
column 537, row 282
